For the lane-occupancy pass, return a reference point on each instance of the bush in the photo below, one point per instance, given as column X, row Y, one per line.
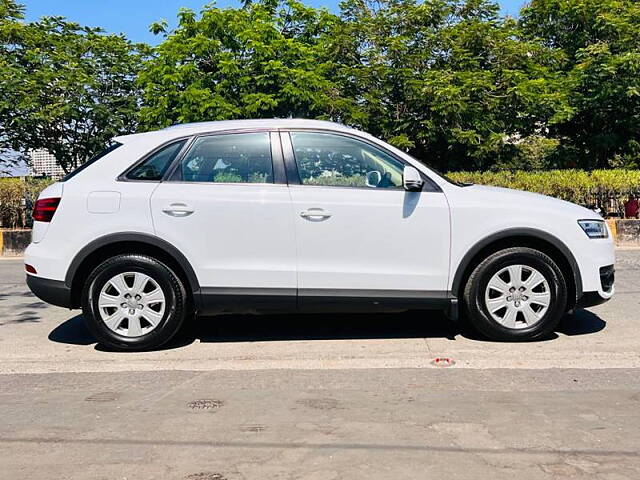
column 606, row 189
column 17, row 196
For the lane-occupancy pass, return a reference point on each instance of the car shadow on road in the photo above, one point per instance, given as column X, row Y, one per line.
column 262, row 328
column 73, row 332
column 582, row 322
column 327, row 326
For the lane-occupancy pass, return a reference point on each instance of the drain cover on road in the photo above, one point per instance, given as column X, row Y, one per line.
column 253, row 428
column 102, row 397
column 319, row 403
column 205, row 404
column 443, row 362
column 206, row 476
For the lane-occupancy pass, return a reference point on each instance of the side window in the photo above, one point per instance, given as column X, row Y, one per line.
column 154, row 167
column 231, row 158
column 338, row 161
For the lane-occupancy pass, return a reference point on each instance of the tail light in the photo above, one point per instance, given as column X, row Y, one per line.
column 45, row 208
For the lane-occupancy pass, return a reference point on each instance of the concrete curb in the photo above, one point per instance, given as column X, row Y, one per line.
column 626, row 232
column 14, row 242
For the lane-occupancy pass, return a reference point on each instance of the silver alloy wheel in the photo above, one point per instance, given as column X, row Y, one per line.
column 131, row 304
column 517, row 296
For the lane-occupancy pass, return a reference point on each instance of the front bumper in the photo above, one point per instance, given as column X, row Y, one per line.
column 604, row 293
column 55, row 292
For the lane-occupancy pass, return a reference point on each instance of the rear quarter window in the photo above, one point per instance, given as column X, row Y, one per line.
column 91, row 161
column 155, row 165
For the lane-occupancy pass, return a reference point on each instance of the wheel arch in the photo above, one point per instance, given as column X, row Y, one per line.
column 522, row 237
column 128, row 242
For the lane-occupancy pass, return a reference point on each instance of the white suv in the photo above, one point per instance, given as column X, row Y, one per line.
column 293, row 215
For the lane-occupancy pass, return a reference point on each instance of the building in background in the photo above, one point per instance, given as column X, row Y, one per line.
column 44, row 164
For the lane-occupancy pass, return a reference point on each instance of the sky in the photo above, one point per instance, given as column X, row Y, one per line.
column 133, row 17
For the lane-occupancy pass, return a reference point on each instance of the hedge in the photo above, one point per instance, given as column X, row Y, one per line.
column 594, row 188
column 17, row 196
column 606, row 189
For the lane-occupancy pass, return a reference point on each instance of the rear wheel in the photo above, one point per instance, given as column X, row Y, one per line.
column 133, row 302
column 516, row 294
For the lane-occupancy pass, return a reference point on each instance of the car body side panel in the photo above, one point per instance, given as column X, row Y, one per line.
column 74, row 226
column 239, row 235
column 474, row 213
column 482, row 212
column 374, row 240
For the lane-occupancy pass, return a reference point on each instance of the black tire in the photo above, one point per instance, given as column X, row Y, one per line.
column 475, row 288
column 175, row 311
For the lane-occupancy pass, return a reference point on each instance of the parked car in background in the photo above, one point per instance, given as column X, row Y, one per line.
column 293, row 215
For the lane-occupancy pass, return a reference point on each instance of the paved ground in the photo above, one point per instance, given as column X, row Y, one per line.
column 321, row 397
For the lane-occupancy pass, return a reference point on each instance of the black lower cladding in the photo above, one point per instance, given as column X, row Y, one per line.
column 257, row 300
column 216, row 300
column 607, row 277
column 55, row 292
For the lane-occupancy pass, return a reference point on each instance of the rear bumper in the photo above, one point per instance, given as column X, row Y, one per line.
column 55, row 292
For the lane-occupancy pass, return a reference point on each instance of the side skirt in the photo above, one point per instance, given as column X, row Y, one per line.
column 220, row 300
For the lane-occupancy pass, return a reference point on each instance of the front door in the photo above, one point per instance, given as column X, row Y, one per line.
column 359, row 233
column 224, row 210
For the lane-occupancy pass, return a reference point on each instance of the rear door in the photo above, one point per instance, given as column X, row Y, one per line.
column 227, row 208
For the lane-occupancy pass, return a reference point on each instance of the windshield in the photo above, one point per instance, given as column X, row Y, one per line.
column 442, row 175
column 450, row 180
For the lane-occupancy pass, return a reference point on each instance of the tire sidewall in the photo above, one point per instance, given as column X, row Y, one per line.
column 529, row 258
column 166, row 280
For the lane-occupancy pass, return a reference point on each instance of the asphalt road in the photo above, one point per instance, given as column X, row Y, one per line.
column 321, row 397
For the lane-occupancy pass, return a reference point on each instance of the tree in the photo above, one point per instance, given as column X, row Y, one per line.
column 599, row 41
column 9, row 12
column 266, row 59
column 450, row 81
column 66, row 88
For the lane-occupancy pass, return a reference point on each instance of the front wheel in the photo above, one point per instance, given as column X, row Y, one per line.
column 516, row 294
column 133, row 302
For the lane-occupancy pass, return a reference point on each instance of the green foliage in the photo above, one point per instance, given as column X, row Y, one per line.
column 257, row 177
column 263, row 60
column 576, row 186
column 450, row 81
column 11, row 206
column 17, row 197
column 227, row 177
column 599, row 40
column 338, row 180
column 65, row 88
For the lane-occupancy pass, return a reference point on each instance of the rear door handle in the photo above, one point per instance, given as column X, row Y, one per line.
column 178, row 210
column 315, row 213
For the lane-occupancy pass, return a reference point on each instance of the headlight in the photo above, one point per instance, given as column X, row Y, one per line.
column 594, row 228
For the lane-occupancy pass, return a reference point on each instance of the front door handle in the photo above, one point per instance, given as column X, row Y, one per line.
column 178, row 210
column 315, row 214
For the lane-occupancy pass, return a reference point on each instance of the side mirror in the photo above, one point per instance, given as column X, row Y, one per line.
column 373, row 178
column 412, row 180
